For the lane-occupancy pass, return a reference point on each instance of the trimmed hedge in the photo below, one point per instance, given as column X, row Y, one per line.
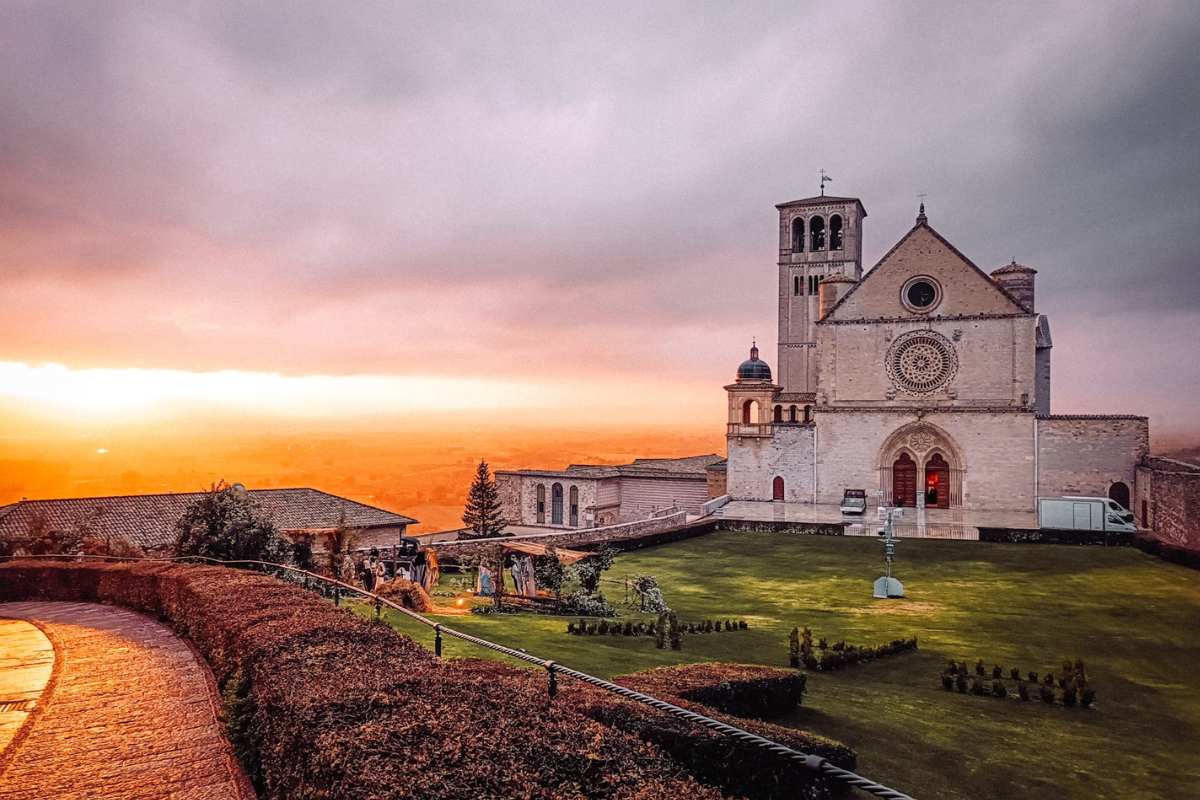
column 743, row 690
column 1176, row 554
column 322, row 704
column 739, row 769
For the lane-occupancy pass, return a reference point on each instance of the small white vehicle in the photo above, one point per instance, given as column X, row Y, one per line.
column 854, row 501
column 1112, row 505
column 1084, row 514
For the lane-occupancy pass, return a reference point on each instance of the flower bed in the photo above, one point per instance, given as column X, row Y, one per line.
column 322, row 704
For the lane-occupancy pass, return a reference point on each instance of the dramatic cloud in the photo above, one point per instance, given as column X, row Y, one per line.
column 571, row 191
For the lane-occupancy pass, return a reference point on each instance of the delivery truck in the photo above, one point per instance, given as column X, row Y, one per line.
column 1084, row 514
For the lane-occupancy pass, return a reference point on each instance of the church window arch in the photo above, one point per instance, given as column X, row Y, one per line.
column 816, row 233
column 807, row 414
column 795, row 284
column 835, row 232
column 778, row 416
column 798, row 235
column 792, row 414
column 749, row 412
column 574, row 507
column 541, row 503
column 556, row 504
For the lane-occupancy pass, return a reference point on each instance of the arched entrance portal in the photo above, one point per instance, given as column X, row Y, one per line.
column 777, row 489
column 937, row 482
column 904, row 481
column 1119, row 491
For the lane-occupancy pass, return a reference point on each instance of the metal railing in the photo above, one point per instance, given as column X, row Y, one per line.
column 553, row 669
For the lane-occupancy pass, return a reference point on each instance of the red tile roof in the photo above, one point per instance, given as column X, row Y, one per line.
column 148, row 520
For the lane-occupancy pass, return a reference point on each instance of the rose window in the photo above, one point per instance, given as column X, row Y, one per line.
column 921, row 362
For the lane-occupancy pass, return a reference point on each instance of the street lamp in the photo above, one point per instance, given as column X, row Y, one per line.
column 887, row 586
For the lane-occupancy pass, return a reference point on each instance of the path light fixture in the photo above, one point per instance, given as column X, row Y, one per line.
column 887, row 587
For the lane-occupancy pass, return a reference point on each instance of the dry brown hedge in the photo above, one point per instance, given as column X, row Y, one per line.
column 744, row 690
column 322, row 704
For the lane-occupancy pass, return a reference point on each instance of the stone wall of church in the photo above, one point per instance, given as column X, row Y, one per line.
column 1168, row 500
column 996, row 450
column 1086, row 455
column 995, row 362
column 518, row 497
column 755, row 461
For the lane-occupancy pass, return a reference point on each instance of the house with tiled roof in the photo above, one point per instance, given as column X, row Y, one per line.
column 148, row 520
column 591, row 495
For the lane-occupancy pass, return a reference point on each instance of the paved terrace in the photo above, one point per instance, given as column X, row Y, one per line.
column 128, row 711
column 933, row 523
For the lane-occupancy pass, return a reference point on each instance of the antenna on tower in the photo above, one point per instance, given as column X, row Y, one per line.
column 824, row 180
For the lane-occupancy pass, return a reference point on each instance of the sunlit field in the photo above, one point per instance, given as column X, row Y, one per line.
column 1131, row 618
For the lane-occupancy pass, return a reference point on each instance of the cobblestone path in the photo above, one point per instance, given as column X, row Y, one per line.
column 130, row 714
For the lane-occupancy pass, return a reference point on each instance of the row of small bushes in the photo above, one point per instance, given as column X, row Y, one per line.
column 826, row 658
column 321, row 701
column 629, row 628
column 1072, row 686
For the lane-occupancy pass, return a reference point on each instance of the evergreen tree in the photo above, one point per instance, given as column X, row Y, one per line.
column 482, row 515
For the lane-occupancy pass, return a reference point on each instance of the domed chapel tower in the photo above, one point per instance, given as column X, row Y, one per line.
column 819, row 237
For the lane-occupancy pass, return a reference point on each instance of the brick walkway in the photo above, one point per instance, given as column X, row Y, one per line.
column 130, row 715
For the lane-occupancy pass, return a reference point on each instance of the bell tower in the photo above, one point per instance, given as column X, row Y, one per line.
column 818, row 237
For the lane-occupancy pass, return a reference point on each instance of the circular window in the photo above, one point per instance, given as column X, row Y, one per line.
column 921, row 294
column 921, row 362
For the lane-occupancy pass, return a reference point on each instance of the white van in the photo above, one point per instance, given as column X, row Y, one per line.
column 1084, row 514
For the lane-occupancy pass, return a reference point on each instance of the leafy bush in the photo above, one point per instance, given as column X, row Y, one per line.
column 979, row 668
column 1023, row 691
column 960, row 683
column 227, row 523
column 948, row 683
column 1015, row 674
column 649, row 595
column 999, row 689
column 1033, row 677
column 587, row 605
column 997, row 673
column 1047, row 695
column 794, row 647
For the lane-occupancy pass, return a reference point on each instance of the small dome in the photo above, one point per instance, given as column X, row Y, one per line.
column 1014, row 268
column 754, row 368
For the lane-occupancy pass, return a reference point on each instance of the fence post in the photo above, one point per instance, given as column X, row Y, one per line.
column 337, row 595
column 437, row 640
column 553, row 683
column 378, row 607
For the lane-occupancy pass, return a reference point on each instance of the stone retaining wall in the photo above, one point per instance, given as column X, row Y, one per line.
column 580, row 538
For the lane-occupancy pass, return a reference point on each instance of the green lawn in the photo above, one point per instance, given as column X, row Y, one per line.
column 1134, row 620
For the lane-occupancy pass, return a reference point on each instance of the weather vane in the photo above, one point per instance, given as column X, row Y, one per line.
column 824, row 180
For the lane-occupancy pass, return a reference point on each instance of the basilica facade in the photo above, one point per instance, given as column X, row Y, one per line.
column 925, row 381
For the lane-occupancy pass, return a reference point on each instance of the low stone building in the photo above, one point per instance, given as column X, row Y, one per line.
column 1168, row 500
column 148, row 520
column 924, row 381
column 588, row 496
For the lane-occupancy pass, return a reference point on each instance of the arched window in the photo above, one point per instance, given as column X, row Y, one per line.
column 574, row 506
column 796, row 285
column 778, row 415
column 798, row 235
column 807, row 414
column 777, row 489
column 816, row 233
column 835, row 232
column 556, row 504
column 1119, row 491
column 792, row 414
column 541, row 503
column 749, row 412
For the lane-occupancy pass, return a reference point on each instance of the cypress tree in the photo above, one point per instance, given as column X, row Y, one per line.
column 483, row 513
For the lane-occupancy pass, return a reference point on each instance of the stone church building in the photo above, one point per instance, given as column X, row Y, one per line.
column 925, row 381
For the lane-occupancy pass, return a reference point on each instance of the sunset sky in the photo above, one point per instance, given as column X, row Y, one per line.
column 562, row 212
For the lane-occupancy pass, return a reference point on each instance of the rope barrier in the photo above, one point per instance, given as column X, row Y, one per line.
column 553, row 669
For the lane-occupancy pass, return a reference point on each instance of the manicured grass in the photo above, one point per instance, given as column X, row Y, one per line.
column 1134, row 620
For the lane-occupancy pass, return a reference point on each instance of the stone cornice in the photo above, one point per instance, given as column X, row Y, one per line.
column 923, row 410
column 923, row 320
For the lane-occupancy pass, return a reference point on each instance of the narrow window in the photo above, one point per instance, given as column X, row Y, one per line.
column 798, row 235
column 777, row 489
column 835, row 232
column 796, row 285
column 816, row 234
column 556, row 504
column 791, row 414
column 574, row 506
column 814, row 283
column 778, row 417
column 541, row 503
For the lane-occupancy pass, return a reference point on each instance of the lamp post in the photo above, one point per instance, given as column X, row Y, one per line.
column 887, row 586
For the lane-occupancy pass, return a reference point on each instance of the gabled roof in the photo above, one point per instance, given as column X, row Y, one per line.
column 148, row 520
column 1042, row 339
column 922, row 224
column 689, row 466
